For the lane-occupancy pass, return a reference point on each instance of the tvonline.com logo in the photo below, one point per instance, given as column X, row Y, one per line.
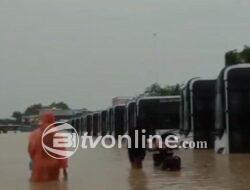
column 61, row 141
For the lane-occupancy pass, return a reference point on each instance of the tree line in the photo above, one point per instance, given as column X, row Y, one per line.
column 235, row 57
column 35, row 109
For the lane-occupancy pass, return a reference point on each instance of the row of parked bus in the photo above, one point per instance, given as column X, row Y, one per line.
column 162, row 111
column 216, row 111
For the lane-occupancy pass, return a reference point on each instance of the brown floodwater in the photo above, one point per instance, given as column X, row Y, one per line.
column 101, row 169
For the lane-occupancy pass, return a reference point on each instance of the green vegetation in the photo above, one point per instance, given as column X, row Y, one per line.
column 18, row 116
column 234, row 57
column 59, row 105
column 33, row 110
column 156, row 90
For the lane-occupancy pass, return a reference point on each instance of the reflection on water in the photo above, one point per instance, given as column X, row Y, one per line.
column 109, row 169
column 137, row 179
column 49, row 186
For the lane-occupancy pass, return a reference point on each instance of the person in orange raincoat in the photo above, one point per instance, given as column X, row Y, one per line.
column 44, row 167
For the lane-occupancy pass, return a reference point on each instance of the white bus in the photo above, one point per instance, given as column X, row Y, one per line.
column 197, row 111
column 232, row 122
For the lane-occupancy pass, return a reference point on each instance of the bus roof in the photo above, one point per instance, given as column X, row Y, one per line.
column 130, row 102
column 157, row 98
column 238, row 66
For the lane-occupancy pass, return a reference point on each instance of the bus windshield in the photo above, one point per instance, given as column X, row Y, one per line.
column 203, row 111
column 239, row 110
column 160, row 113
column 119, row 120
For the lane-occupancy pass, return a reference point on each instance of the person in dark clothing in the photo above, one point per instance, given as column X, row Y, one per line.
column 136, row 154
column 165, row 158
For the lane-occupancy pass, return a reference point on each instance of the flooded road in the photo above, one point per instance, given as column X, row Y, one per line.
column 109, row 169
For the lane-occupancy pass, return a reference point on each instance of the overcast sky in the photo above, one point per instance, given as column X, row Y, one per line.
column 85, row 52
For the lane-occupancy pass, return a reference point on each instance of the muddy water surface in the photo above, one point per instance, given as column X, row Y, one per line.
column 99, row 169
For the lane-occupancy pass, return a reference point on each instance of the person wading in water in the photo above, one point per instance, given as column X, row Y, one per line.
column 44, row 167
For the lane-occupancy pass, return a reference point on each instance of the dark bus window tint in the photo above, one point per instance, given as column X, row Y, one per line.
column 203, row 111
column 186, row 110
column 95, row 124
column 160, row 115
column 89, row 124
column 131, row 115
column 104, row 122
column 238, row 110
column 247, row 102
column 119, row 120
column 110, row 121
column 235, row 102
column 182, row 114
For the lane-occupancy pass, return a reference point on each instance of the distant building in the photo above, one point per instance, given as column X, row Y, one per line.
column 80, row 112
column 30, row 119
column 65, row 115
column 61, row 115
column 120, row 100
